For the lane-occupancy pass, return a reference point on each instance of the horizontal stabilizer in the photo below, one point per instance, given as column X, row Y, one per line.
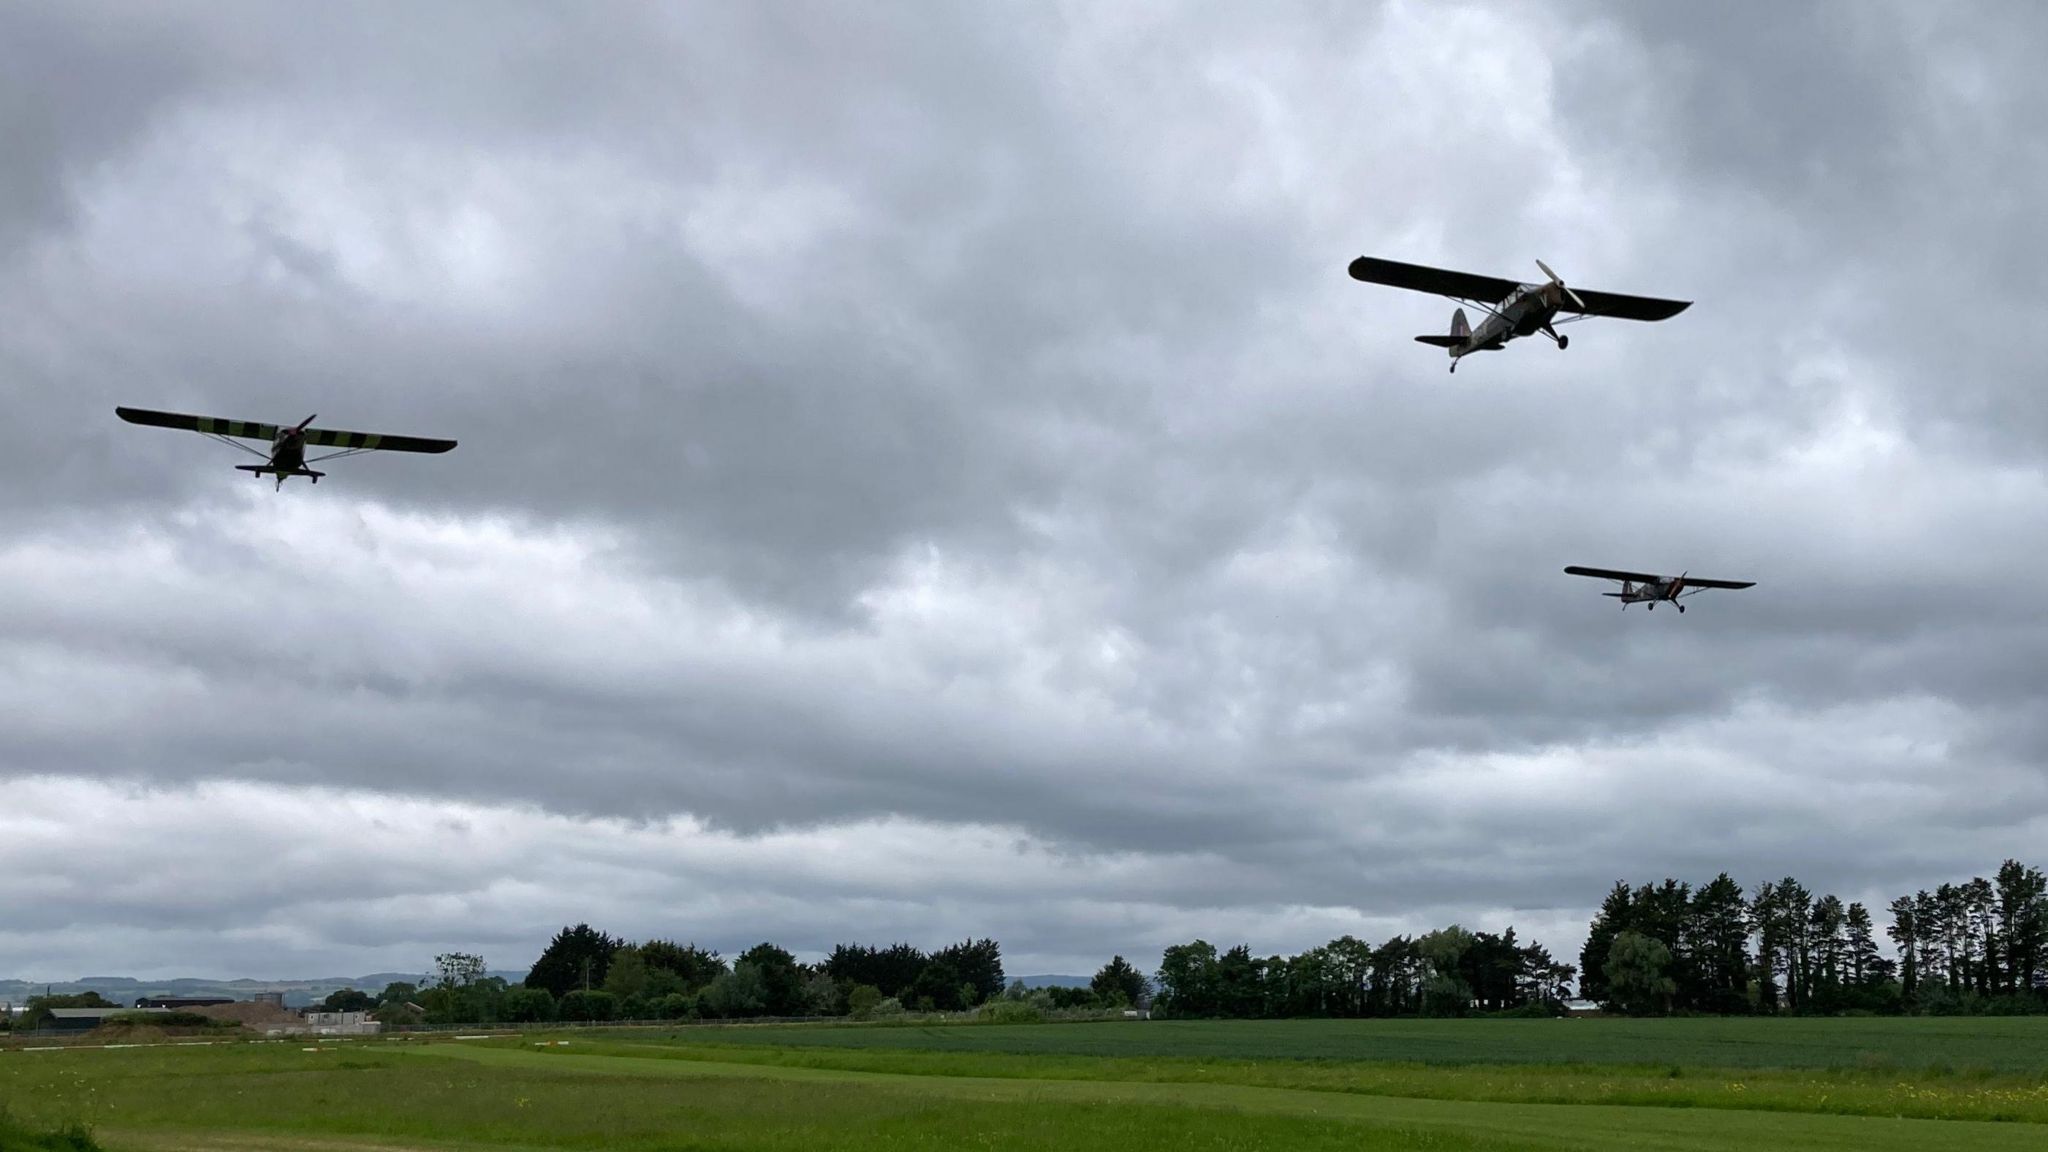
column 1441, row 341
column 273, row 470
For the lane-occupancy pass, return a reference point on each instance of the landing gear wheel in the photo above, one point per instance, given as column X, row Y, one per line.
column 1563, row 342
column 1681, row 607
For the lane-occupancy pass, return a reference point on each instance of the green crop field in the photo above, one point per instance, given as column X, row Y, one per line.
column 2007, row 1043
column 1683, row 1084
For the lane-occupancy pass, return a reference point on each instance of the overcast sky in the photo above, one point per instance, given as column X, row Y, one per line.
column 924, row 472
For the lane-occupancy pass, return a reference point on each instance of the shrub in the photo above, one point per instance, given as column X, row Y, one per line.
column 529, row 1006
column 592, row 1005
column 822, row 997
column 1009, row 1012
column 863, row 1001
column 17, row 1136
column 2011, row 1006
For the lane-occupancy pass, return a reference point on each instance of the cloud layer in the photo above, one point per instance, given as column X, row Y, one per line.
column 928, row 474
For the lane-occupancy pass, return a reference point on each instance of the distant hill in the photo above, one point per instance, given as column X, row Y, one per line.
column 297, row 993
column 1055, row 981
column 300, row 993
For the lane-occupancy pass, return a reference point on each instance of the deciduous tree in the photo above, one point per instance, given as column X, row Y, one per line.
column 1636, row 979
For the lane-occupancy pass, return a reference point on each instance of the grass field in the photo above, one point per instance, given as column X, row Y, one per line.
column 1699, row 1085
column 1954, row 1043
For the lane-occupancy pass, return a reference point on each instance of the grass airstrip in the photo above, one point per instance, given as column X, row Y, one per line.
column 1752, row 1085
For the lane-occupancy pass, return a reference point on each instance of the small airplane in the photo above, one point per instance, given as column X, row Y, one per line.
column 287, row 455
column 1513, row 309
column 1644, row 588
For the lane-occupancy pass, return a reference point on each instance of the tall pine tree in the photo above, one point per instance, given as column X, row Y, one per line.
column 1720, row 943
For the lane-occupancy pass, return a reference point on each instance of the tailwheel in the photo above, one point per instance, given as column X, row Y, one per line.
column 1563, row 342
column 1681, row 607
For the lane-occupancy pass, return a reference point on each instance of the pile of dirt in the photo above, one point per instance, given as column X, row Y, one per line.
column 123, row 1033
column 252, row 1015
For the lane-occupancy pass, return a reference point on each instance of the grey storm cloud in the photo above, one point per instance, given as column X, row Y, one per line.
column 926, row 472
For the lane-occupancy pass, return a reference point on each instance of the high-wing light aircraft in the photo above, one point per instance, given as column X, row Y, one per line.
column 287, row 455
column 1512, row 309
column 1644, row 588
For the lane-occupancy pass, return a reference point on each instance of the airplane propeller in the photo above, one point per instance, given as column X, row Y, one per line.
column 305, row 422
column 1561, row 285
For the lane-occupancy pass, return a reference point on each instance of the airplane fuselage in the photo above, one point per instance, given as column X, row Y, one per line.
column 1649, row 591
column 287, row 458
column 288, row 452
column 1529, row 311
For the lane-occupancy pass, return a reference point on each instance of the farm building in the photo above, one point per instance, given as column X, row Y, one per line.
column 87, row 1019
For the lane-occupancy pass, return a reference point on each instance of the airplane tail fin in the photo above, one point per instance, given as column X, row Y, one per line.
column 1460, row 332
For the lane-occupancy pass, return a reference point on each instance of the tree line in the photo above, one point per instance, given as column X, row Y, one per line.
column 585, row 974
column 1975, row 947
column 1969, row 948
column 1448, row 972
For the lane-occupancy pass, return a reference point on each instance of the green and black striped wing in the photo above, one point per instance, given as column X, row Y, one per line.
column 211, row 425
column 374, row 442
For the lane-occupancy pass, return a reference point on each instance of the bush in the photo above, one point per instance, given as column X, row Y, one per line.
column 822, row 997
column 676, row 1006
column 1938, row 1000
column 17, row 1136
column 739, row 993
column 592, row 1005
column 529, row 1006
column 863, row 1001
column 1010, row 1012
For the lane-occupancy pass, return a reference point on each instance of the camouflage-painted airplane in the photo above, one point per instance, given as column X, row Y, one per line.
column 1512, row 308
column 287, row 455
column 1644, row 588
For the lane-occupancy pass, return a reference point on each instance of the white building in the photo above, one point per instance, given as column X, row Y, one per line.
column 340, row 1024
